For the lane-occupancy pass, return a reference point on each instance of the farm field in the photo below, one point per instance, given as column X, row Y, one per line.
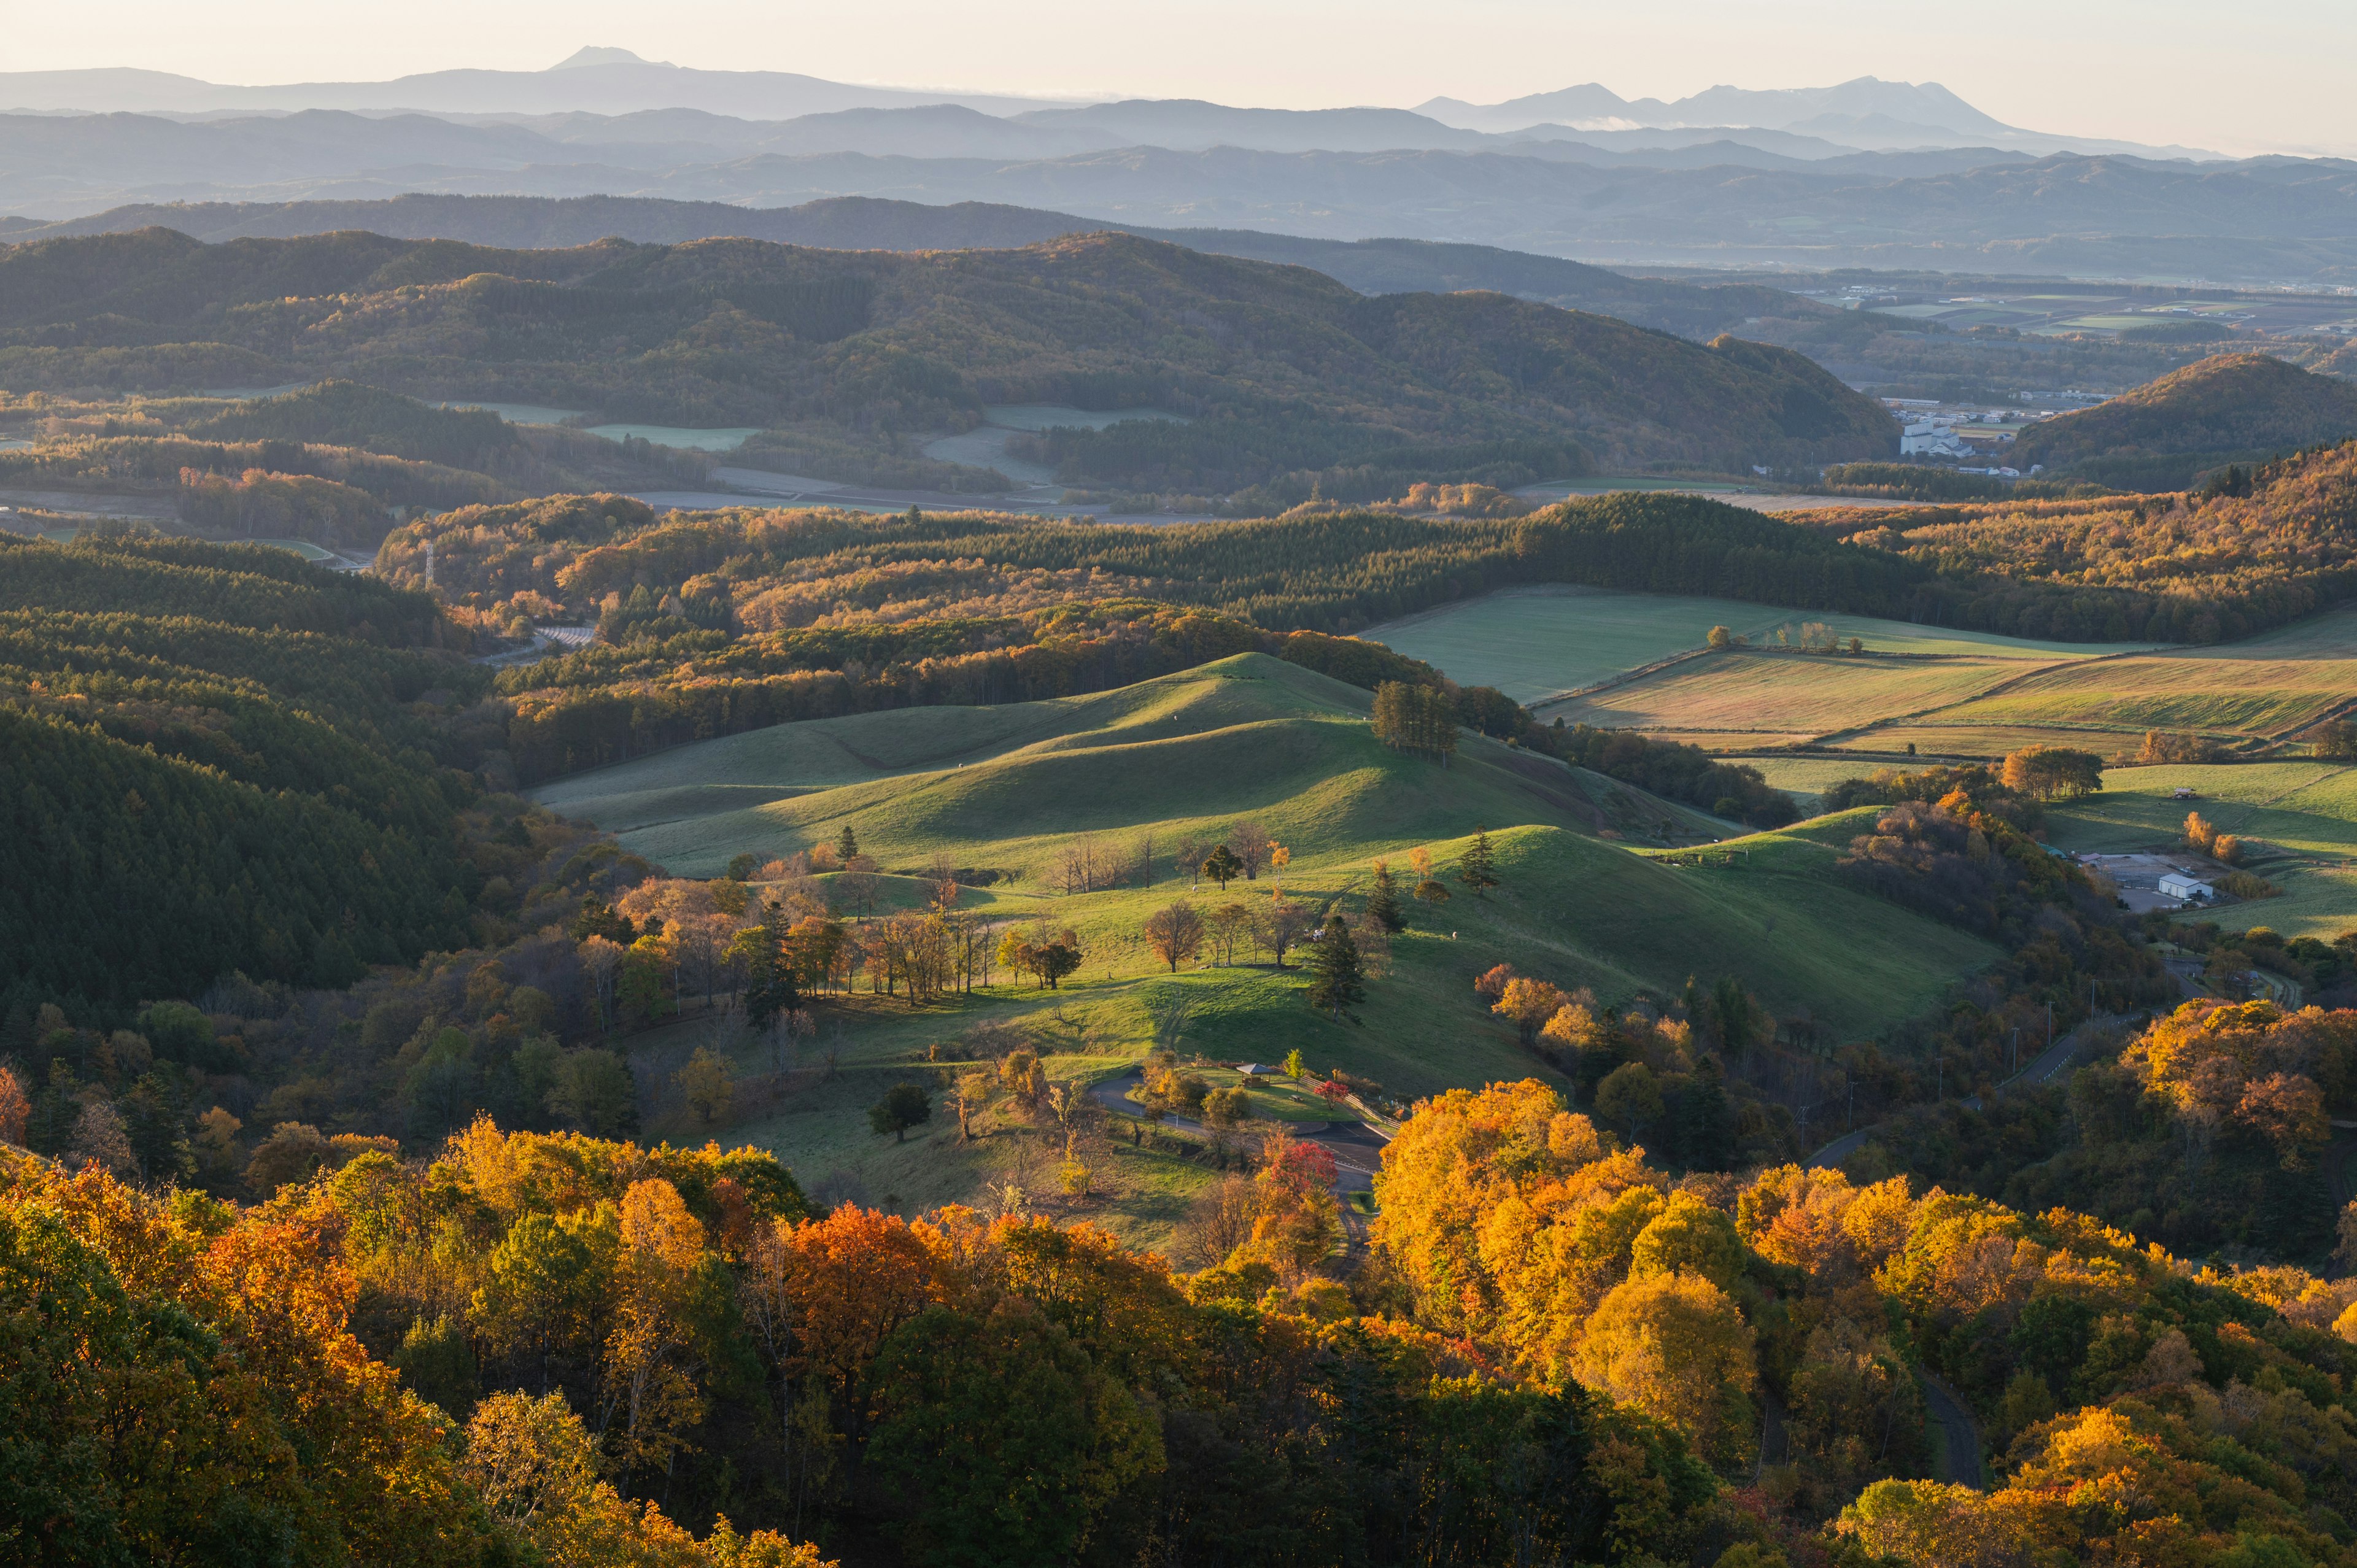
column 1192, row 754
column 1795, row 696
column 1533, row 642
column 1973, row 697
column 2300, row 819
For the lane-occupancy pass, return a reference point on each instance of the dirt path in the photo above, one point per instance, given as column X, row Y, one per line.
column 1357, row 1148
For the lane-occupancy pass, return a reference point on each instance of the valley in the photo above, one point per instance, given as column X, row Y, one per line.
column 759, row 823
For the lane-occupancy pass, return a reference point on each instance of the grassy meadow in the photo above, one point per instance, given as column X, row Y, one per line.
column 1005, row 791
column 1550, row 637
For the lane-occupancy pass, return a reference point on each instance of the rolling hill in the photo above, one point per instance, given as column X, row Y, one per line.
column 2229, row 406
column 1006, row 789
column 1272, row 369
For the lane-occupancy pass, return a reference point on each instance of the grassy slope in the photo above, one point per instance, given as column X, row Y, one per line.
column 1193, row 753
column 1530, row 642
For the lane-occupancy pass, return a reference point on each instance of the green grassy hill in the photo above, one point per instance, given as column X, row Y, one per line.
column 1006, row 789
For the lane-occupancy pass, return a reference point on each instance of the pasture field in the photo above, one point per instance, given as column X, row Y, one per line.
column 1537, row 642
column 1192, row 754
column 2230, row 692
column 1785, row 694
column 2299, row 818
column 1976, row 700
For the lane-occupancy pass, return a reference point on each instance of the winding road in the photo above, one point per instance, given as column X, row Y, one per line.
column 2044, row 1068
column 1960, row 1436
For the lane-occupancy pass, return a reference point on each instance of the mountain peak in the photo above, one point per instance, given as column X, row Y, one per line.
column 593, row 55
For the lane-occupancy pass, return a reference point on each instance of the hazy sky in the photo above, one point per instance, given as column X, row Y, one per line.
column 2260, row 75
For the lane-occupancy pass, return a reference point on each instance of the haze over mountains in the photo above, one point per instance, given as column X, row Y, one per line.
column 1867, row 172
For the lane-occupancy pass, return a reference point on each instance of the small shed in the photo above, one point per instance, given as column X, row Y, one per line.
column 1259, row 1069
column 2178, row 884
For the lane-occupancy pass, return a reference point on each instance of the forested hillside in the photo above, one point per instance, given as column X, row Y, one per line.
column 713, row 623
column 872, row 223
column 2231, row 407
column 2254, row 548
column 1276, row 371
column 222, row 759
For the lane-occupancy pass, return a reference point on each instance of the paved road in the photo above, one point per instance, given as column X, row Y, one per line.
column 1959, row 1450
column 1357, row 1148
column 2045, row 1068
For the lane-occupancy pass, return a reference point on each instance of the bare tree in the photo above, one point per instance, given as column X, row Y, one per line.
column 942, row 882
column 602, row 960
column 1220, row 1221
column 1229, row 923
column 1175, row 933
column 856, row 884
column 1249, row 843
column 1282, row 925
column 1141, row 857
column 1189, row 859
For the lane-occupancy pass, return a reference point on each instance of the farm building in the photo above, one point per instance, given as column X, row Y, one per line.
column 2178, row 884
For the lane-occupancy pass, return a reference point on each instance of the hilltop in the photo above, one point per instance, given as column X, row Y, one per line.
column 2229, row 406
column 1268, row 370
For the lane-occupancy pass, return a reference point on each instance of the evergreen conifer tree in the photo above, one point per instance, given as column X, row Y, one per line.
column 1478, row 867
column 847, row 845
column 1382, row 904
column 1335, row 978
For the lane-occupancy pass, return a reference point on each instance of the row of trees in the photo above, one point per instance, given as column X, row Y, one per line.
column 1415, row 718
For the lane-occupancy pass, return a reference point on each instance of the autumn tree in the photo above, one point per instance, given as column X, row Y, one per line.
column 14, row 1108
column 1630, row 1095
column 1282, row 925
column 1428, row 889
column 707, row 1083
column 1676, row 1345
column 1175, row 932
column 1529, row 1003
column 2053, row 772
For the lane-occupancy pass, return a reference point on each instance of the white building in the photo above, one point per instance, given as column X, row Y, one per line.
column 2177, row 884
column 1929, row 439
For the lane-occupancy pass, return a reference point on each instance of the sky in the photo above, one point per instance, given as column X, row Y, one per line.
column 2263, row 75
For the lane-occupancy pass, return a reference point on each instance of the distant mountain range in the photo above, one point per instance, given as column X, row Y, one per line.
column 2259, row 221
column 1581, row 172
column 599, row 81
column 865, row 224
